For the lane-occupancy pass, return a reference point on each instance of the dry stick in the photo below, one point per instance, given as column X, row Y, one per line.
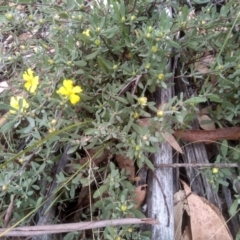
column 232, row 133
column 203, row 165
column 61, row 228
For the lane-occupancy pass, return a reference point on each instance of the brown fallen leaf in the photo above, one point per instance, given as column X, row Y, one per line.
column 172, row 141
column 206, row 223
column 139, row 195
column 206, row 122
column 127, row 164
column 178, row 213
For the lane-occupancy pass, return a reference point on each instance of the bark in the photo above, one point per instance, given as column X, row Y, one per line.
column 160, row 183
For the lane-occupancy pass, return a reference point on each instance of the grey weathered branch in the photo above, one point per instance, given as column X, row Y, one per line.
column 63, row 228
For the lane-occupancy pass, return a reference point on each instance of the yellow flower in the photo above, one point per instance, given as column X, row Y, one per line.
column 15, row 103
column 142, row 101
column 87, row 32
column 31, row 81
column 69, row 91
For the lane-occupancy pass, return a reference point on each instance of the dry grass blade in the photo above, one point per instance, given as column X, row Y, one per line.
column 8, row 213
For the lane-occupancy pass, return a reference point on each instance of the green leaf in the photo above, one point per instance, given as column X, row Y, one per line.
column 100, row 191
column 214, row 98
column 80, row 63
column 6, row 107
column 224, row 148
column 84, row 38
column 233, row 208
column 122, row 100
column 174, row 44
column 136, row 128
column 8, row 126
column 196, row 100
column 149, row 163
column 92, row 55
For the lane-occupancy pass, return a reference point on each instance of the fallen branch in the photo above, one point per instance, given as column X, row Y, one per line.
column 232, row 133
column 195, row 135
column 61, row 228
column 201, row 165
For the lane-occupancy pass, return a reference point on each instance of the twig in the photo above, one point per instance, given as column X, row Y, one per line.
column 197, row 165
column 133, row 82
column 61, row 228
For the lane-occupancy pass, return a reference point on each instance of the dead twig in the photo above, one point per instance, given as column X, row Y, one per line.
column 199, row 165
column 61, row 228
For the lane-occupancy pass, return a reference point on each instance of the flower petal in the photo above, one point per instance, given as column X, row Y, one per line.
column 62, row 91
column 28, row 85
column 68, row 84
column 74, row 98
column 77, row 89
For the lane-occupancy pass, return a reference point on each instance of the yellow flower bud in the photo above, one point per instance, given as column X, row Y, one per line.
column 150, row 28
column 137, row 148
column 30, row 17
column 115, row 67
column 215, row 170
column 50, row 61
column 5, row 187
column 135, row 115
column 9, row 16
column 154, row 49
column 133, row 18
column 160, row 113
column 148, row 35
column 148, row 65
column 161, row 76
column 124, row 208
column 142, row 101
column 53, row 122
column 98, row 42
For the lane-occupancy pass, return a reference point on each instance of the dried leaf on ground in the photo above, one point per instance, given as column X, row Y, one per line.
column 205, row 122
column 139, row 195
column 127, row 164
column 172, row 141
column 178, row 213
column 206, row 223
column 204, row 62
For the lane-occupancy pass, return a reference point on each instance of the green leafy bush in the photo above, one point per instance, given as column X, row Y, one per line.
column 83, row 76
